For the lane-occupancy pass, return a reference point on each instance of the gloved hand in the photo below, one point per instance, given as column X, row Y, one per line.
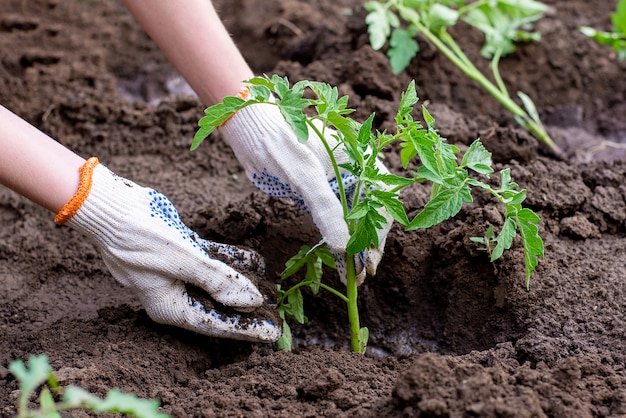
column 147, row 247
column 280, row 166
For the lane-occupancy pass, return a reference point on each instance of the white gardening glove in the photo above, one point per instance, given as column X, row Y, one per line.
column 147, row 247
column 280, row 166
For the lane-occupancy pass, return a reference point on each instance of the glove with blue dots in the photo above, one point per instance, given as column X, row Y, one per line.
column 148, row 248
column 280, row 166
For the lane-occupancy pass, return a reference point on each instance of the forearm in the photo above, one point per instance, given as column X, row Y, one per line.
column 35, row 165
column 193, row 38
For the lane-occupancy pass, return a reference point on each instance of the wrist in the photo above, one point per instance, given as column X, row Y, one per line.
column 103, row 204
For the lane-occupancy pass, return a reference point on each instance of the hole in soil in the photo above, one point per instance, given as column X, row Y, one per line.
column 413, row 307
column 151, row 84
column 433, row 291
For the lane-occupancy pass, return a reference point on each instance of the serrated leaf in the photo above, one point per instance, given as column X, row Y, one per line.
column 393, row 205
column 505, row 180
column 363, row 236
column 426, row 174
column 527, row 222
column 444, row 205
column 215, row 116
column 32, row 376
column 378, row 25
column 478, row 159
column 407, row 102
column 393, row 180
column 260, row 93
column 504, row 239
column 359, row 210
column 501, row 20
column 402, row 49
column 365, row 131
column 292, row 105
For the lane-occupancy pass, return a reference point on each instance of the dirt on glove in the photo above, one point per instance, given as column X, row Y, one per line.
column 254, row 271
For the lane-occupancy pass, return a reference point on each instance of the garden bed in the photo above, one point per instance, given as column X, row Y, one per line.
column 450, row 333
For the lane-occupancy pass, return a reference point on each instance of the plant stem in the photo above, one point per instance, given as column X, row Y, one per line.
column 322, row 285
column 451, row 50
column 353, row 309
column 333, row 161
column 351, row 285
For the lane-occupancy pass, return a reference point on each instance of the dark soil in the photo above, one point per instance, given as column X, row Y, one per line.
column 452, row 335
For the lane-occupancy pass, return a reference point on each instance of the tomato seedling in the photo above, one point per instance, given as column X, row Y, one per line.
column 378, row 191
column 501, row 22
column 39, row 374
column 616, row 38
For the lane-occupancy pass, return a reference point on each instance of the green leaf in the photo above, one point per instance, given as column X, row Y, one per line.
column 617, row 38
column 402, row 49
column 505, row 180
column 619, row 19
column 517, row 198
column 444, row 205
column 440, row 17
column 478, row 159
column 379, row 23
column 393, row 205
column 364, row 235
column 314, row 274
column 260, row 93
column 296, row 305
column 430, row 121
column 295, row 263
column 324, row 254
column 504, row 239
column 32, row 377
column 529, row 105
column 501, row 22
column 364, row 336
column 527, row 222
column 292, row 105
column 359, row 210
column 114, row 402
column 47, row 405
column 407, row 102
column 393, row 180
column 215, row 116
column 285, row 342
column 365, row 131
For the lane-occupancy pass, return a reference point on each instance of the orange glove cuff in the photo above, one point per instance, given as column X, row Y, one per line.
column 84, row 187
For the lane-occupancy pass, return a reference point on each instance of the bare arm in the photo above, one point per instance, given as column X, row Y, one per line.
column 193, row 38
column 35, row 165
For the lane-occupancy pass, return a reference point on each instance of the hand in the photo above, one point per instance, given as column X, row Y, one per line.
column 280, row 166
column 147, row 247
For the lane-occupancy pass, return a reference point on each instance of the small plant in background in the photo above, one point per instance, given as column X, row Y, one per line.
column 38, row 374
column 502, row 22
column 437, row 161
column 617, row 37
